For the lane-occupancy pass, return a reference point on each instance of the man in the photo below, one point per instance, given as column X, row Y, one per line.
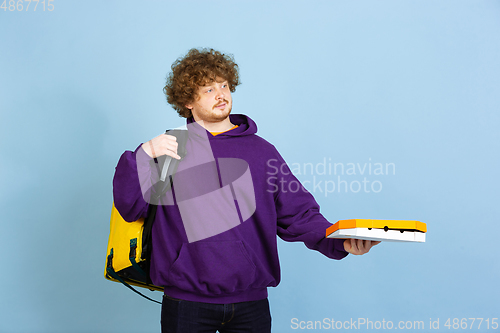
column 214, row 237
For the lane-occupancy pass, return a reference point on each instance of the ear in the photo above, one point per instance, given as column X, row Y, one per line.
column 189, row 106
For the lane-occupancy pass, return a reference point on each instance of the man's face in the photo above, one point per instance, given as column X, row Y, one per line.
column 213, row 102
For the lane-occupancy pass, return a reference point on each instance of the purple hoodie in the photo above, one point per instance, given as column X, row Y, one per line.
column 214, row 237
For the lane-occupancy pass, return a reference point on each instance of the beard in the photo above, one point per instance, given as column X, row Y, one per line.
column 215, row 115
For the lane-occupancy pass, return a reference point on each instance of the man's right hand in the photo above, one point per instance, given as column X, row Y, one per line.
column 163, row 144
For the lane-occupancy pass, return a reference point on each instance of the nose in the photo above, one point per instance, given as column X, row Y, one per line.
column 220, row 94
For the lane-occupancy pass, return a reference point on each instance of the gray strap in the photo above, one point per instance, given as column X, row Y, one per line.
column 166, row 164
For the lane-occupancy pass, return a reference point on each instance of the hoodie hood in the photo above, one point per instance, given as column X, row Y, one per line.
column 246, row 126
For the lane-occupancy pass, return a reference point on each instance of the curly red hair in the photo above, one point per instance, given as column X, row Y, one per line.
column 198, row 68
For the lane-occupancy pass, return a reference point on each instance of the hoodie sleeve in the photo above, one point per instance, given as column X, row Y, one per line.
column 299, row 218
column 131, row 184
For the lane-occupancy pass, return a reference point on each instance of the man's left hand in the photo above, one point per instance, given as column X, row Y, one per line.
column 358, row 246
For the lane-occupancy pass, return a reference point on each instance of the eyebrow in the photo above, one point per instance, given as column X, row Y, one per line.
column 211, row 84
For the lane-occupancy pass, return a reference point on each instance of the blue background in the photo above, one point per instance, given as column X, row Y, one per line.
column 414, row 83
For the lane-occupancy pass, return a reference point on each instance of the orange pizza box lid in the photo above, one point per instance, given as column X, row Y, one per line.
column 377, row 224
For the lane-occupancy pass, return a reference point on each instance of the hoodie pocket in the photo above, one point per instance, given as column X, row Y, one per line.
column 213, row 268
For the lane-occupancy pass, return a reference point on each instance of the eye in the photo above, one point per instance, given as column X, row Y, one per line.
column 209, row 90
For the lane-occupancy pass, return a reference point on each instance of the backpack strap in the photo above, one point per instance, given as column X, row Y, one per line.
column 131, row 257
column 163, row 186
column 112, row 273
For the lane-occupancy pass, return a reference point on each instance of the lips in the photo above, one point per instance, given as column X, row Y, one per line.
column 221, row 106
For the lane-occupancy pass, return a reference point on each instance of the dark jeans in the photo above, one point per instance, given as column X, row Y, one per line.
column 179, row 316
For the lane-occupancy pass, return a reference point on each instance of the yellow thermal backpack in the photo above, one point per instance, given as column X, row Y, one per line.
column 129, row 244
